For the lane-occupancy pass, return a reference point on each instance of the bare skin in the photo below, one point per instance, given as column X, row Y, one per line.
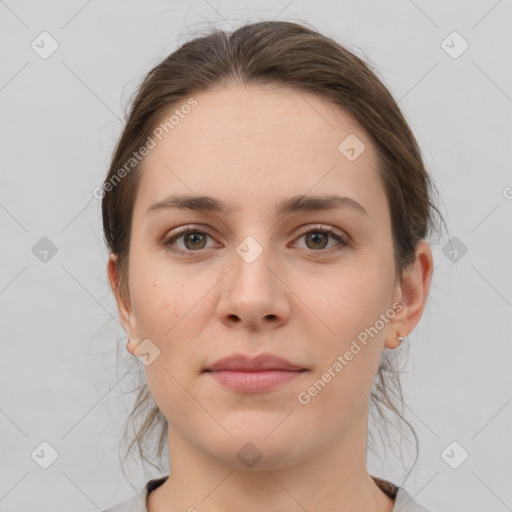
column 252, row 148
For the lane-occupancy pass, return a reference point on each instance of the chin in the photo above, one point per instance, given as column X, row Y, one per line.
column 253, row 450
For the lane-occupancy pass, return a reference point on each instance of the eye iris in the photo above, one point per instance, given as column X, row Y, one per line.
column 195, row 237
column 315, row 238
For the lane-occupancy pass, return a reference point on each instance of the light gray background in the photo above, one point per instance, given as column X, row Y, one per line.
column 60, row 118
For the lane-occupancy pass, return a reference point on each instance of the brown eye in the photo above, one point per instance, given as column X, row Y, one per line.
column 317, row 239
column 197, row 240
column 192, row 240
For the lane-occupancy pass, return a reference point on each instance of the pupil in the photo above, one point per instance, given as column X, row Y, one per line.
column 316, row 237
column 194, row 237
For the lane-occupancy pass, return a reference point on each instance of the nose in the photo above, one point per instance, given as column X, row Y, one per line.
column 254, row 294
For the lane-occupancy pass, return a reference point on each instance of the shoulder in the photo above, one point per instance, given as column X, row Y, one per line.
column 135, row 504
column 405, row 503
column 403, row 500
column 138, row 503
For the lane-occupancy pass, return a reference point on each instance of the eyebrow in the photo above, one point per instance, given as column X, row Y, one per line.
column 293, row 204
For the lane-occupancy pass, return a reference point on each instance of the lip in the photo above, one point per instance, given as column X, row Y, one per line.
column 258, row 374
column 244, row 363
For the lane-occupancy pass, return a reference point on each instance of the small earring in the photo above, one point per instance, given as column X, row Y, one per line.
column 400, row 339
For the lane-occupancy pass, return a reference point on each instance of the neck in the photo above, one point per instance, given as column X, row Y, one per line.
column 334, row 478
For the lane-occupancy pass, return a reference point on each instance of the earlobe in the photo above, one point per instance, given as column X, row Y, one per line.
column 395, row 341
column 131, row 346
column 413, row 291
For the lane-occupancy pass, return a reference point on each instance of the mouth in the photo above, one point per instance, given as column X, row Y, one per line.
column 258, row 374
column 246, row 363
column 254, row 381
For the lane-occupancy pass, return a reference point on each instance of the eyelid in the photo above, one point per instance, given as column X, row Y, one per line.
column 344, row 240
column 306, row 228
column 190, row 228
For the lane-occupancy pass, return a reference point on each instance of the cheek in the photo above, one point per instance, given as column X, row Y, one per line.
column 165, row 314
column 352, row 299
column 353, row 307
column 162, row 300
column 155, row 309
column 349, row 354
column 173, row 314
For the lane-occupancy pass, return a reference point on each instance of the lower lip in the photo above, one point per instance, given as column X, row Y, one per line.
column 254, row 382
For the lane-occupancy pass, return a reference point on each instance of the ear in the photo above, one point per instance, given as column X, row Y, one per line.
column 412, row 292
column 125, row 310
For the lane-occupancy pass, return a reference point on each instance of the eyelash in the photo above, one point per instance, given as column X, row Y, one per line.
column 343, row 243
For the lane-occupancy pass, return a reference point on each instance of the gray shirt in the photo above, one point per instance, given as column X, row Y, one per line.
column 403, row 501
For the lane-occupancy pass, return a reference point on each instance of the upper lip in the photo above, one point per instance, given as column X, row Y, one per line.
column 242, row 362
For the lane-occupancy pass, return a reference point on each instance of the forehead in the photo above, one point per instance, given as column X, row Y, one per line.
column 252, row 145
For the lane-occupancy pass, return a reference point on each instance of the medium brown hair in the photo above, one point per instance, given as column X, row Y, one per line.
column 302, row 59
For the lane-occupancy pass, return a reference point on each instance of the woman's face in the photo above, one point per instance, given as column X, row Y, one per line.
column 258, row 277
